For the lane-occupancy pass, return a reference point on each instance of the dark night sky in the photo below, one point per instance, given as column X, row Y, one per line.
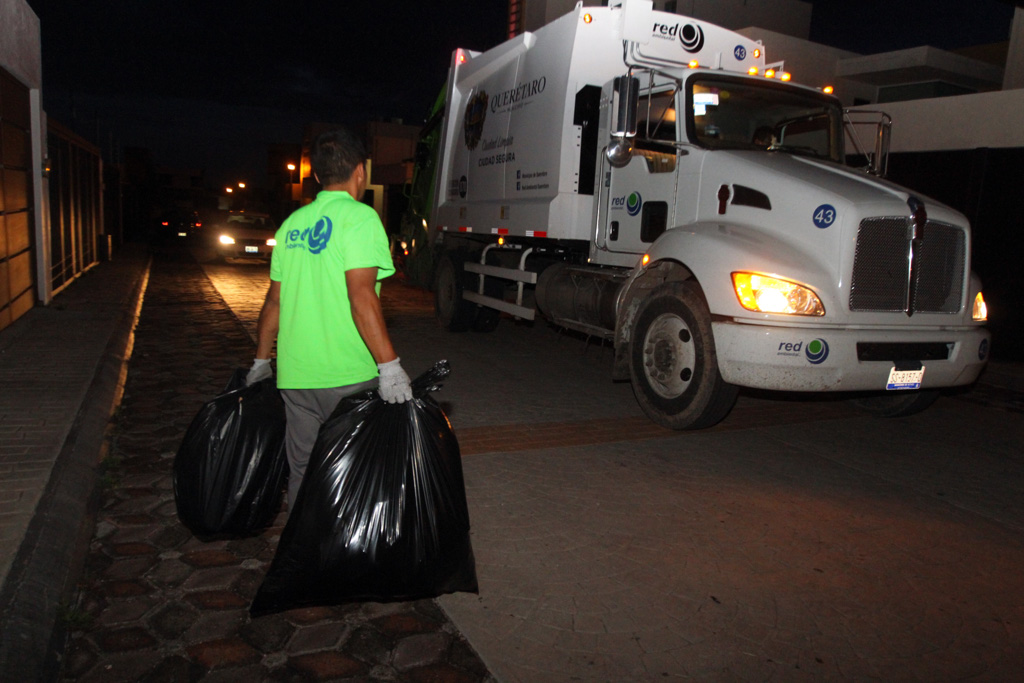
column 210, row 83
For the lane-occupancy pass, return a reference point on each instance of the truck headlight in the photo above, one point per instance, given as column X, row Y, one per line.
column 765, row 294
column 226, row 239
column 980, row 311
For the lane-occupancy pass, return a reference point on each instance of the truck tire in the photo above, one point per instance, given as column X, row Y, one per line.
column 453, row 312
column 673, row 364
column 896, row 403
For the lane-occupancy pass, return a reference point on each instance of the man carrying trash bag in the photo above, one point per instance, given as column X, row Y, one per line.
column 323, row 306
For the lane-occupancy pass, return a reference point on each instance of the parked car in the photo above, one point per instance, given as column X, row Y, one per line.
column 178, row 225
column 244, row 235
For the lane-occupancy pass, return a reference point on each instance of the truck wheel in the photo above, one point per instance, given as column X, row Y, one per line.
column 896, row 403
column 453, row 312
column 673, row 364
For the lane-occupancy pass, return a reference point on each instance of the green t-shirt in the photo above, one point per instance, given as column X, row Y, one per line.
column 318, row 345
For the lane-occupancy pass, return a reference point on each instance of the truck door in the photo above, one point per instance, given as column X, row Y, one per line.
column 640, row 197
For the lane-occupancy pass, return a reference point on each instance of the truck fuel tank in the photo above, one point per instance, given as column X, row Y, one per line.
column 579, row 294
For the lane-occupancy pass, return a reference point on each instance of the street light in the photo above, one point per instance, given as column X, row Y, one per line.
column 229, row 190
column 241, row 185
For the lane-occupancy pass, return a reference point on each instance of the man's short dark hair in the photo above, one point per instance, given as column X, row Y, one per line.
column 335, row 154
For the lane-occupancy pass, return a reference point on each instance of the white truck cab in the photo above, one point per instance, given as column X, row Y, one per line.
column 651, row 179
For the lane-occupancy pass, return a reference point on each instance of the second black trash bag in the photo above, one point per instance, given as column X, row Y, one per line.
column 230, row 469
column 382, row 512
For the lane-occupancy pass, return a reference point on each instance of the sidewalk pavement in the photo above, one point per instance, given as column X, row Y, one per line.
column 153, row 602
column 62, row 372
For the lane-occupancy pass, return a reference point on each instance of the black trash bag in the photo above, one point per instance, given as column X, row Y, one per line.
column 230, row 470
column 381, row 514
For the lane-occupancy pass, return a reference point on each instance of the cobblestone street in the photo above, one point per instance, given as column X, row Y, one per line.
column 159, row 605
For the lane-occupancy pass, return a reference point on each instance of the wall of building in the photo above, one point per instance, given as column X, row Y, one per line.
column 24, row 257
column 19, row 43
column 991, row 119
column 1013, row 75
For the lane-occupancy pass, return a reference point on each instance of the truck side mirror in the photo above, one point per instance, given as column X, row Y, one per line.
column 625, row 99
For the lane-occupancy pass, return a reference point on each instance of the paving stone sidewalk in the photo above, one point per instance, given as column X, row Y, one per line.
column 157, row 604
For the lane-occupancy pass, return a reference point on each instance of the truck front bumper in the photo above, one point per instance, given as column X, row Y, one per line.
column 827, row 359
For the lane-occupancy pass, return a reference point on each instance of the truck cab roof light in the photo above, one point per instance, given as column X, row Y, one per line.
column 757, row 53
column 785, row 76
column 828, row 90
column 752, row 71
column 693, row 64
column 770, row 73
column 587, row 18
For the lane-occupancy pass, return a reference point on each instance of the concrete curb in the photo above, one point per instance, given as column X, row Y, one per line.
column 51, row 557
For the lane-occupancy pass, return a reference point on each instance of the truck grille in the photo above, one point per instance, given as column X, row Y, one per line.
column 885, row 279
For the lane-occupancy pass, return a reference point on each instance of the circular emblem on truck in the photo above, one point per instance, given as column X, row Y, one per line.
column 633, row 203
column 817, row 351
column 739, row 52
column 692, row 38
column 824, row 216
column 473, row 124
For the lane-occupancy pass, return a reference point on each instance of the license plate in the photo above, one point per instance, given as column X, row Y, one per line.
column 904, row 379
column 182, row 234
column 252, row 250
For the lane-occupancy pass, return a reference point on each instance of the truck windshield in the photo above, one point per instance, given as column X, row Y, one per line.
column 734, row 114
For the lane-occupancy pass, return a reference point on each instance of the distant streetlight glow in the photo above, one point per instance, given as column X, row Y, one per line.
column 229, row 190
column 241, row 186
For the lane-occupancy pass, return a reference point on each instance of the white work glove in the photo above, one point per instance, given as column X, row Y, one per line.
column 259, row 371
column 394, row 383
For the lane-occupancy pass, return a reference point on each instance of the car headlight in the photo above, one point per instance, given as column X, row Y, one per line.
column 765, row 294
column 271, row 242
column 226, row 239
column 980, row 311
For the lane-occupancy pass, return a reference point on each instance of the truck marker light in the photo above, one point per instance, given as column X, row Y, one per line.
column 752, row 71
column 980, row 310
column 693, row 64
column 828, row 90
column 765, row 294
column 501, row 241
column 587, row 18
column 461, row 58
column 785, row 76
column 770, row 73
column 645, row 260
column 757, row 53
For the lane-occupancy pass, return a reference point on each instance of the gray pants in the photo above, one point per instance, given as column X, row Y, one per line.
column 305, row 410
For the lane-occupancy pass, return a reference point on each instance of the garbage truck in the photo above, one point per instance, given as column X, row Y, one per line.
column 653, row 180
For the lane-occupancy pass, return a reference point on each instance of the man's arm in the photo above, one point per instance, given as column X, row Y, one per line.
column 367, row 313
column 266, row 335
column 368, row 316
column 269, row 322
